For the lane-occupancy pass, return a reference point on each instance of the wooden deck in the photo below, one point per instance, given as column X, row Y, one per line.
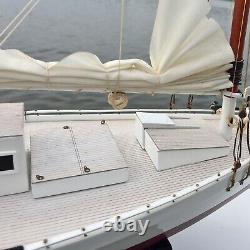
column 24, row 219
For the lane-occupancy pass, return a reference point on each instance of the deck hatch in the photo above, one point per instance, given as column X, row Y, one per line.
column 75, row 157
column 177, row 147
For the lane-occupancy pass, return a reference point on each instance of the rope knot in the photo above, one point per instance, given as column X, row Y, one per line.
column 237, row 165
column 243, row 113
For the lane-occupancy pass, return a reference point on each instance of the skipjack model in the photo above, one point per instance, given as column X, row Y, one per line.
column 125, row 179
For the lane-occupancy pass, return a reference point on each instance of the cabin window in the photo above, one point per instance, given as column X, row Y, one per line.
column 6, row 163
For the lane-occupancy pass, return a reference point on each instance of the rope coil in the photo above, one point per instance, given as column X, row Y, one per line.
column 118, row 100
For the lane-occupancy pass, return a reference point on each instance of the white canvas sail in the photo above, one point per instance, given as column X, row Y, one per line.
column 189, row 54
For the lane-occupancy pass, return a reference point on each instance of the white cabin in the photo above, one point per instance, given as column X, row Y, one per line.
column 13, row 164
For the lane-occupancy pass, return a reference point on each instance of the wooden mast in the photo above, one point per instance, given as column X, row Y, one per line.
column 237, row 40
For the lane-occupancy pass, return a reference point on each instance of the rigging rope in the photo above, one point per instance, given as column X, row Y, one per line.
column 13, row 20
column 237, row 72
column 118, row 99
column 28, row 8
column 121, row 40
column 190, row 102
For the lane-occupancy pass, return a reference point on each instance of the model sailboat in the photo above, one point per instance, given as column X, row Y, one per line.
column 90, row 168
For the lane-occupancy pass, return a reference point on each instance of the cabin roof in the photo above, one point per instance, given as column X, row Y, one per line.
column 12, row 117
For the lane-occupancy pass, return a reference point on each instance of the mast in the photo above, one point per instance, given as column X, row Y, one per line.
column 237, row 42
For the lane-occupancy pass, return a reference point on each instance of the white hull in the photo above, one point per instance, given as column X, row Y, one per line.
column 189, row 206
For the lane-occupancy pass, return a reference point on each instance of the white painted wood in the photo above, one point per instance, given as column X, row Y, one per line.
column 59, row 155
column 139, row 132
column 14, row 181
column 169, row 149
column 154, row 120
column 145, row 120
column 12, row 144
column 228, row 111
column 81, row 182
column 12, row 119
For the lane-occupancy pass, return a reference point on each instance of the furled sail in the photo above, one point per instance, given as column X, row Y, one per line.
column 189, row 54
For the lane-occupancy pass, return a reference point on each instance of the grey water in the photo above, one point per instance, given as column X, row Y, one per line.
column 59, row 28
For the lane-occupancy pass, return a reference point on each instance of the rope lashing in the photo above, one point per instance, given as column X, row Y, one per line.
column 190, row 102
column 172, row 102
column 236, row 72
column 237, row 153
column 237, row 148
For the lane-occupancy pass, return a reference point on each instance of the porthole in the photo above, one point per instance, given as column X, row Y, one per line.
column 6, row 163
